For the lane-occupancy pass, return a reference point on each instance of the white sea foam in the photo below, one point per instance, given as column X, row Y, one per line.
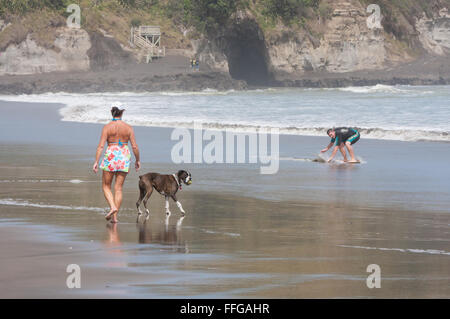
column 25, row 203
column 220, row 233
column 29, row 181
column 379, row 88
column 403, row 250
column 73, row 181
column 403, row 113
column 296, row 159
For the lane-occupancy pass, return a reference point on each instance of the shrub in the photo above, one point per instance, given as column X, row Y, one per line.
column 23, row 6
column 288, row 10
column 135, row 22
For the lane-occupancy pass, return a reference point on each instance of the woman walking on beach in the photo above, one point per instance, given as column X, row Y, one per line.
column 116, row 161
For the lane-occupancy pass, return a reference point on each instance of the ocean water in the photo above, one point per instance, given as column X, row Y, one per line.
column 404, row 113
column 404, row 146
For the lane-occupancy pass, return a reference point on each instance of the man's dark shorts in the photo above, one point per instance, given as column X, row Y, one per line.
column 353, row 139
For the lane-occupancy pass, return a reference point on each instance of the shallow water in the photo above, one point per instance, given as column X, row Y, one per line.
column 384, row 112
column 393, row 174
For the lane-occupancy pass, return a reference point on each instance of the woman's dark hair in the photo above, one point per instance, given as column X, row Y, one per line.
column 329, row 130
column 116, row 112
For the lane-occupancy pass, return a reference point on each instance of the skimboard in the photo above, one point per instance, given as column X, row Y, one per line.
column 342, row 162
column 319, row 160
column 316, row 160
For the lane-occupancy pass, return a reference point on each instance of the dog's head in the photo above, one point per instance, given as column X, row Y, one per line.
column 185, row 176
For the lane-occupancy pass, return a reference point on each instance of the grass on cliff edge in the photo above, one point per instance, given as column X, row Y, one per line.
column 40, row 21
column 40, row 18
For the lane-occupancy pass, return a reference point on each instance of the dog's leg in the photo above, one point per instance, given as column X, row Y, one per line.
column 178, row 204
column 167, row 206
column 138, row 203
column 146, row 198
column 180, row 222
column 166, row 222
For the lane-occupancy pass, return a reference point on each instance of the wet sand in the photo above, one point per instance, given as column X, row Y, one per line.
column 227, row 246
column 294, row 235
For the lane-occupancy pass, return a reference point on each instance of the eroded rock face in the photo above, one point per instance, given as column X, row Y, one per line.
column 346, row 45
column 209, row 53
column 30, row 58
column 434, row 33
column 239, row 49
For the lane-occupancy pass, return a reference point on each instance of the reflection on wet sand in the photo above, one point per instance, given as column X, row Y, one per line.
column 113, row 235
column 165, row 234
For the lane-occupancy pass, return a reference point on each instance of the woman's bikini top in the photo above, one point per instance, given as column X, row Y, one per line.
column 119, row 142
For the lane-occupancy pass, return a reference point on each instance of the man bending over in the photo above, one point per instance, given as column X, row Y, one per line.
column 342, row 137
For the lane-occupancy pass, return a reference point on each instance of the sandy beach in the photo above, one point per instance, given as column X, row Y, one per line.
column 309, row 231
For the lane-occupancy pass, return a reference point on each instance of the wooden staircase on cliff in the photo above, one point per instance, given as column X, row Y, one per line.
column 148, row 38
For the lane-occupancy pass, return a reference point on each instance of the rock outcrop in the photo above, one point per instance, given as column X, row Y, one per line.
column 346, row 45
column 344, row 42
column 434, row 33
column 69, row 54
column 340, row 43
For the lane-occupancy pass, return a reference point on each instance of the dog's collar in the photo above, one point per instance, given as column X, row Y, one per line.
column 176, row 179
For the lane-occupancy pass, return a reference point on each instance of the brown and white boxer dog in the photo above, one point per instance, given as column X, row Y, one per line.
column 167, row 185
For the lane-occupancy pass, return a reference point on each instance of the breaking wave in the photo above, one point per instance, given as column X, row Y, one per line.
column 379, row 88
column 384, row 112
column 25, row 203
column 399, row 134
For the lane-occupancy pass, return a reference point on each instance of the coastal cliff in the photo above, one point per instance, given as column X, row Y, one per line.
column 322, row 43
column 340, row 42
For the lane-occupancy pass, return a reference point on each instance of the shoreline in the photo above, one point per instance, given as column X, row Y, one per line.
column 173, row 74
column 68, row 111
column 404, row 183
column 54, row 83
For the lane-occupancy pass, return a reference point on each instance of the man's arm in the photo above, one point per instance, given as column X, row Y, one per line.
column 135, row 148
column 333, row 154
column 327, row 148
column 100, row 147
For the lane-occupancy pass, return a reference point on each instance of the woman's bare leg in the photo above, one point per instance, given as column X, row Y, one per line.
column 118, row 185
column 107, row 178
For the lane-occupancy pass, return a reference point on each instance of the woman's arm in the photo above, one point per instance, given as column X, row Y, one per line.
column 135, row 148
column 100, row 147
